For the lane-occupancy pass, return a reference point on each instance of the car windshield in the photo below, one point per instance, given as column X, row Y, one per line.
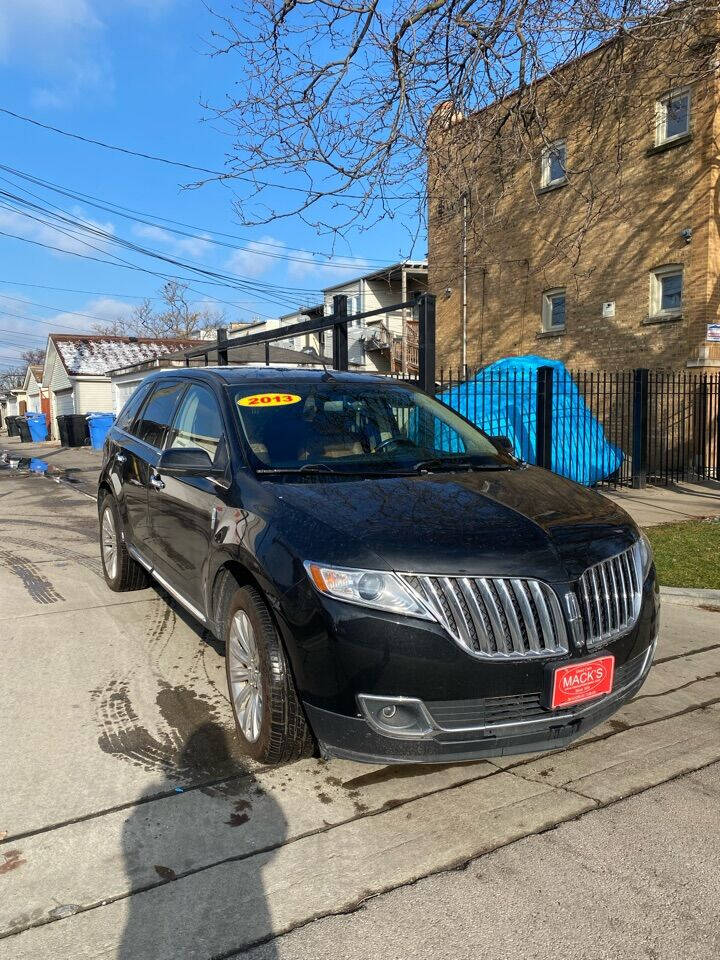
column 362, row 428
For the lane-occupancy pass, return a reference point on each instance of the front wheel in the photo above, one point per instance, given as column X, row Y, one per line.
column 270, row 721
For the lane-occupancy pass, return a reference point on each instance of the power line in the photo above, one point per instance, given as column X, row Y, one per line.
column 259, row 288
column 222, row 174
column 130, row 296
column 160, row 222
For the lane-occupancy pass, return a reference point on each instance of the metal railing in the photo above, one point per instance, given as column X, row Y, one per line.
column 597, row 427
column 422, row 306
column 602, row 428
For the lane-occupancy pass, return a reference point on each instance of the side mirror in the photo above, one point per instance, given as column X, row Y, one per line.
column 504, row 443
column 187, row 462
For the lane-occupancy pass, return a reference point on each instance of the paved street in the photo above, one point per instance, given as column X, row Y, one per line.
column 132, row 828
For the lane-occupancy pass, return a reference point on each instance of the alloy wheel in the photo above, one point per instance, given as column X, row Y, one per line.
column 245, row 678
column 109, row 543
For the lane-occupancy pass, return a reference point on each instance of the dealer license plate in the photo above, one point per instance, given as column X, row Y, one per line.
column 578, row 682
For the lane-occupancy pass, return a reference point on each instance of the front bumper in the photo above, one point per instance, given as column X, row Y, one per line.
column 499, row 729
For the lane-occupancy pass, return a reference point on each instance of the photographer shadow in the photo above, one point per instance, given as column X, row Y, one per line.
column 206, row 896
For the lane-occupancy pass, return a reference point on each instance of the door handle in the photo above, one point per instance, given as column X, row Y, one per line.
column 157, row 482
column 120, row 458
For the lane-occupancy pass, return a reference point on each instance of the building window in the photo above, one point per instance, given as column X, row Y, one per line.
column 554, row 164
column 666, row 291
column 553, row 310
column 672, row 117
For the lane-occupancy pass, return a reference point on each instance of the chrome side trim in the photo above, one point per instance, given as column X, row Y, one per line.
column 136, row 555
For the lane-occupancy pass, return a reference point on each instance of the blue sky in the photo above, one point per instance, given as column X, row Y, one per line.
column 134, row 74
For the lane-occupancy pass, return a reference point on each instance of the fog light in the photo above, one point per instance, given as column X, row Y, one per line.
column 396, row 716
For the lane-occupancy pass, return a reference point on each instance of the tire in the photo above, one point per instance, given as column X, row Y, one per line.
column 275, row 730
column 122, row 573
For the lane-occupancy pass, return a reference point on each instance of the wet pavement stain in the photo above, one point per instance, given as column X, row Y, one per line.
column 12, row 859
column 240, row 815
column 38, row 586
column 61, row 553
column 194, row 742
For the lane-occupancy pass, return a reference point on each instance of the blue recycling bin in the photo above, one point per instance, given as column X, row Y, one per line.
column 99, row 424
column 38, row 427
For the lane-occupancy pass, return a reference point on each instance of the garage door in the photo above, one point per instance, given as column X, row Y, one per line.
column 123, row 392
column 64, row 402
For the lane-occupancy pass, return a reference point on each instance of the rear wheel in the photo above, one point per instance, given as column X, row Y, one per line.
column 270, row 721
column 122, row 573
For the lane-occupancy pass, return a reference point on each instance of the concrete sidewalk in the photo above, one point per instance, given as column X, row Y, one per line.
column 669, row 504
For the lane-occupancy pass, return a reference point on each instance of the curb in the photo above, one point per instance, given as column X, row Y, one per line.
column 689, row 595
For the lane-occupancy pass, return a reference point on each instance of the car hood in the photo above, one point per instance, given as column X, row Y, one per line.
column 521, row 522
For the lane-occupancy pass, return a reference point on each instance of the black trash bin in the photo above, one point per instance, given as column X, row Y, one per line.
column 23, row 428
column 63, row 429
column 77, row 430
column 11, row 428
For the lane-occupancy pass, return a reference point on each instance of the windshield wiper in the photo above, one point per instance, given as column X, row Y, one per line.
column 447, row 463
column 324, row 468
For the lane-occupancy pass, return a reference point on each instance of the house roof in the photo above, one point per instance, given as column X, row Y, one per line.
column 254, row 353
column 34, row 369
column 391, row 272
column 87, row 355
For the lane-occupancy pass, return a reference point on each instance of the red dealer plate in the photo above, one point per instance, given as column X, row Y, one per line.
column 579, row 682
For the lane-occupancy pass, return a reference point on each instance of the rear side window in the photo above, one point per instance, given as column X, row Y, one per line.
column 158, row 413
column 127, row 414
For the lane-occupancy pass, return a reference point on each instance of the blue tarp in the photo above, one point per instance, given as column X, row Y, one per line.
column 502, row 401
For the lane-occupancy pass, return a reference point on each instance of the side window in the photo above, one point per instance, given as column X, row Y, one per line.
column 553, row 310
column 198, row 423
column 158, row 413
column 133, row 404
column 553, row 164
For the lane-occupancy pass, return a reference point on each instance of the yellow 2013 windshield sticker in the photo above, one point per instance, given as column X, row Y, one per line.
column 268, row 400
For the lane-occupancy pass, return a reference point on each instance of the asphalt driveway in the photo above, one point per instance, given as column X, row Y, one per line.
column 131, row 827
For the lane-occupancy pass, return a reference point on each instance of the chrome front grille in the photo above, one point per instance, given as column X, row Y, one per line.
column 610, row 596
column 495, row 617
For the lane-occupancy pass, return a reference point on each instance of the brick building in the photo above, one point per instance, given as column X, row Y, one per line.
column 598, row 242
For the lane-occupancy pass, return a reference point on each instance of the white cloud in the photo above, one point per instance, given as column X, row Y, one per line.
column 62, row 44
column 327, row 273
column 104, row 309
column 193, row 247
column 23, row 226
column 252, row 259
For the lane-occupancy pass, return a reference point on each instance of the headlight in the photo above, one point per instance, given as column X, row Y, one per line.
column 368, row 588
column 643, row 556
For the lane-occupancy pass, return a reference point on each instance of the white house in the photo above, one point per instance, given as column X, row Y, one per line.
column 33, row 388
column 308, row 341
column 126, row 379
column 388, row 342
column 77, row 366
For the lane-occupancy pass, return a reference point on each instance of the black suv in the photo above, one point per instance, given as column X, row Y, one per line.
column 390, row 583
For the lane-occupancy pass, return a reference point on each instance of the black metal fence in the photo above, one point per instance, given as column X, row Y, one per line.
column 597, row 427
